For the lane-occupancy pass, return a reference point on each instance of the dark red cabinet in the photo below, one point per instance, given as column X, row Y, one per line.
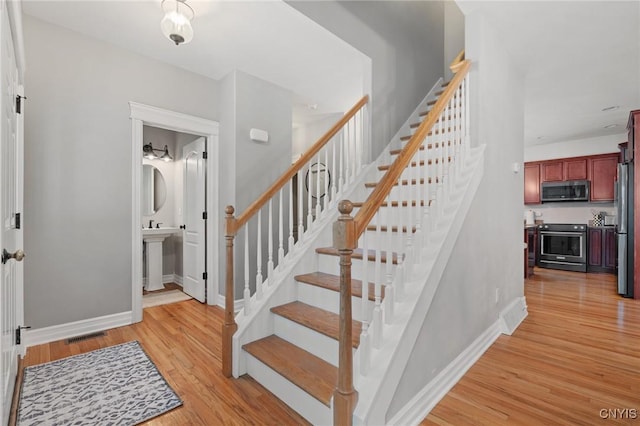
column 552, row 171
column 602, row 250
column 532, row 183
column 603, row 171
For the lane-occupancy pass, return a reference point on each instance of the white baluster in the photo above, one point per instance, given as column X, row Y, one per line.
column 388, row 289
column 417, row 196
column 259, row 258
column 341, row 154
column 270, row 242
column 354, row 152
column 318, row 203
column 409, row 219
column 280, row 230
column 309, row 204
column 467, row 134
column 325, row 189
column 291, row 241
column 377, row 310
column 334, row 176
column 300, row 207
column 347, row 153
column 247, row 291
column 399, row 278
column 365, row 344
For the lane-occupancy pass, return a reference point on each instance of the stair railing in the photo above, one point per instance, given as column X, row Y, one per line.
column 324, row 170
column 422, row 175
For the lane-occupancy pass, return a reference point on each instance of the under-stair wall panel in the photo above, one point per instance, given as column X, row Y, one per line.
column 484, row 274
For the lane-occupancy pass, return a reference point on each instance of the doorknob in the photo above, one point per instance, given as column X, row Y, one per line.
column 18, row 255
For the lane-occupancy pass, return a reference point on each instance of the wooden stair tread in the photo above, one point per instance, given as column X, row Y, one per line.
column 437, row 132
column 404, row 182
column 332, row 282
column 394, row 228
column 324, row 322
column 313, row 375
column 415, row 164
column 357, row 254
column 405, row 203
column 422, row 147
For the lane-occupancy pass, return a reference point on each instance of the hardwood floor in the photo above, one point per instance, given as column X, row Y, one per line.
column 183, row 339
column 575, row 355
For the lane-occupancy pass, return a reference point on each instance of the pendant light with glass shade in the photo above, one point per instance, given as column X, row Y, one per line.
column 176, row 24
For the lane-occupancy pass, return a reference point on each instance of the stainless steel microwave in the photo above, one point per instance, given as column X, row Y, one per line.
column 570, row 190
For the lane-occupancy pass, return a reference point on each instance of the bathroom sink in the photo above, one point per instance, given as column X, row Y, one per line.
column 163, row 232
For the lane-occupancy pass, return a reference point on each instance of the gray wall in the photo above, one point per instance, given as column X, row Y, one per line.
column 491, row 240
column 453, row 34
column 78, row 167
column 405, row 41
column 249, row 102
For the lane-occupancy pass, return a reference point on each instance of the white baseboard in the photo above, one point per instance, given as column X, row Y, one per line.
column 43, row 335
column 238, row 304
column 177, row 279
column 513, row 315
column 166, row 279
column 417, row 409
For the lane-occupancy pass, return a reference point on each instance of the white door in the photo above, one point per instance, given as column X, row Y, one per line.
column 194, row 238
column 10, row 205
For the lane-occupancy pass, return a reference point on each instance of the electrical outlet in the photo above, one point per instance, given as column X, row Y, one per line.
column 497, row 294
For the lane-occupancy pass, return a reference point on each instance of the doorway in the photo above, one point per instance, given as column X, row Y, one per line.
column 152, row 117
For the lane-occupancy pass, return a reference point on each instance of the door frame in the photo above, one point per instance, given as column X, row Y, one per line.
column 146, row 115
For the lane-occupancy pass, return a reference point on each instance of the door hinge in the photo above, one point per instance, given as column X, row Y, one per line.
column 19, row 333
column 17, row 220
column 204, row 154
column 19, row 103
column 204, row 275
column 204, row 215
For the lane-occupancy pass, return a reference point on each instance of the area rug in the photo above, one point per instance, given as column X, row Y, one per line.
column 164, row 298
column 118, row 385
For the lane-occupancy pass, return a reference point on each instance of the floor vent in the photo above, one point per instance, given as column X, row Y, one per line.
column 85, row 337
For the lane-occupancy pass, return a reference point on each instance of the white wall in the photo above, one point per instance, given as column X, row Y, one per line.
column 404, row 40
column 77, row 209
column 489, row 251
column 574, row 148
column 453, row 35
column 306, row 134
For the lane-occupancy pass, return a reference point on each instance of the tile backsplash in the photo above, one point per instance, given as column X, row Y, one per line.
column 573, row 213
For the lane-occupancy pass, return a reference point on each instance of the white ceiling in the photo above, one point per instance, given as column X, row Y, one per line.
column 267, row 39
column 577, row 57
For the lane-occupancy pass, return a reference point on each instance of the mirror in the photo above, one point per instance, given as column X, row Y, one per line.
column 154, row 190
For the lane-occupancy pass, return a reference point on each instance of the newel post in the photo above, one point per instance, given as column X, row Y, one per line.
column 229, row 327
column 344, row 239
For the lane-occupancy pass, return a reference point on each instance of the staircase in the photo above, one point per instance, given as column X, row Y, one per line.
column 293, row 340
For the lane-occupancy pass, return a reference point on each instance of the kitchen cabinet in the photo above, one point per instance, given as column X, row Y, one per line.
column 576, row 169
column 602, row 250
column 600, row 170
column 552, row 171
column 531, row 248
column 602, row 173
column 532, row 183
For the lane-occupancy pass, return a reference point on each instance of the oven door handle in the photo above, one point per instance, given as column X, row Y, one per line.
column 562, row 233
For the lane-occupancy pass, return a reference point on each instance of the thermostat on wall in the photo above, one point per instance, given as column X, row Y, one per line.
column 259, row 135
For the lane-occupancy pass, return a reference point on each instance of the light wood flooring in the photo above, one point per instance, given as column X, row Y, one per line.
column 576, row 353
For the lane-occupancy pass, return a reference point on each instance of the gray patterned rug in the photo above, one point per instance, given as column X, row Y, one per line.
column 118, row 385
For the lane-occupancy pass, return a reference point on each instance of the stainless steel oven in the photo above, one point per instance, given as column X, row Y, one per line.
column 563, row 246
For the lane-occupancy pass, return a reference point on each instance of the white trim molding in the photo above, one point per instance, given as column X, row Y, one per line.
column 238, row 304
column 40, row 336
column 146, row 115
column 417, row 409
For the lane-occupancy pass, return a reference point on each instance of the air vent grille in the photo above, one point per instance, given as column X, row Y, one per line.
column 85, row 337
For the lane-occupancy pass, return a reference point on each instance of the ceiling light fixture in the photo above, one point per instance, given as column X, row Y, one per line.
column 176, row 24
column 611, row 108
column 149, row 152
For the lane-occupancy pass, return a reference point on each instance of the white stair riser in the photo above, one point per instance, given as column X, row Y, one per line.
column 329, row 300
column 303, row 403
column 310, row 340
column 331, row 265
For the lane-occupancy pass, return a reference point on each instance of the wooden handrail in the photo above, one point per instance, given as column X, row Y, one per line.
column 457, row 62
column 295, row 167
column 377, row 197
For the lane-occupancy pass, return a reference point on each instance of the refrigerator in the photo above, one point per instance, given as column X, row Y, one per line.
column 624, row 211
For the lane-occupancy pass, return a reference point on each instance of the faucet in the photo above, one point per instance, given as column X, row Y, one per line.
column 158, row 225
column 150, row 223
